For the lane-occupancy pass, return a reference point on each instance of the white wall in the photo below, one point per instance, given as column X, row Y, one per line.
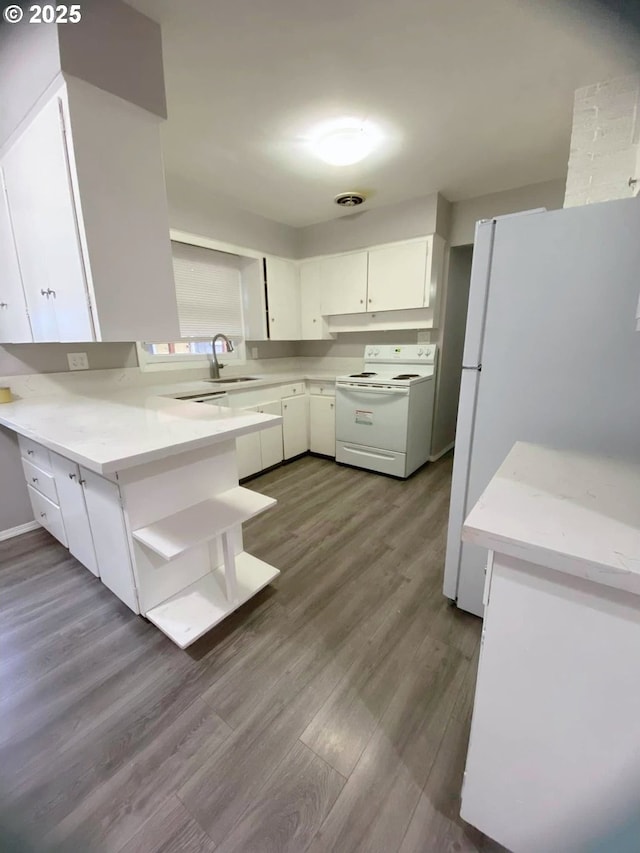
column 451, row 343
column 605, row 142
column 413, row 218
column 32, row 55
column 210, row 216
column 118, row 49
column 29, row 62
column 465, row 214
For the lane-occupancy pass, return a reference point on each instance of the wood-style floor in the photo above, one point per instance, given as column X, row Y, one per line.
column 330, row 714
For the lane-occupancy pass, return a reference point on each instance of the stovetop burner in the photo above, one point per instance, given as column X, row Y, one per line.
column 361, row 375
column 407, row 376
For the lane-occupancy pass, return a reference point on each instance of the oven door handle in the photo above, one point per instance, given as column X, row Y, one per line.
column 371, row 389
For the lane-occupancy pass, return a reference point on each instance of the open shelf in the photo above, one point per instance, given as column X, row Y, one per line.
column 201, row 522
column 192, row 612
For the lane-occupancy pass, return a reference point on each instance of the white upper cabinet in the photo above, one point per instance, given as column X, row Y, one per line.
column 87, row 204
column 14, row 321
column 397, row 276
column 45, row 226
column 344, row 283
column 283, row 298
column 314, row 325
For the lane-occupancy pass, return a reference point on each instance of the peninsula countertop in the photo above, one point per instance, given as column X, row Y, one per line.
column 569, row 511
column 119, row 430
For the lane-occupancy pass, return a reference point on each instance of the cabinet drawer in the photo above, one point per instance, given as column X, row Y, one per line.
column 36, row 453
column 40, row 480
column 322, row 389
column 48, row 515
column 293, row 390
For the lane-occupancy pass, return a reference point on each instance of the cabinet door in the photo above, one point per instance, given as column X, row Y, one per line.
column 313, row 325
column 14, row 320
column 248, row 451
column 74, row 511
column 397, row 276
column 322, row 425
column 43, row 215
column 271, row 439
column 283, row 294
column 295, row 431
column 344, row 284
column 110, row 537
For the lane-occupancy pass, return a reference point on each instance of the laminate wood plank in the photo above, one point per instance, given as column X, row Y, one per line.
column 375, row 807
column 95, row 701
column 116, row 809
column 274, row 715
column 436, row 823
column 284, row 818
column 170, row 830
column 341, row 729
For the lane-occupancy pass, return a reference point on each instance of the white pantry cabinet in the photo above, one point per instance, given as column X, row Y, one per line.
column 314, row 326
column 322, row 425
column 343, row 280
column 14, row 320
column 295, row 425
column 283, row 298
column 397, row 276
column 87, row 205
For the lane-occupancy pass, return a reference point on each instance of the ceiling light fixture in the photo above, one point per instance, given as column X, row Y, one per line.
column 344, row 141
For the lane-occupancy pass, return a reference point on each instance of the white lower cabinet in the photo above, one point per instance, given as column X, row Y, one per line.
column 260, row 450
column 271, row 439
column 110, row 537
column 69, row 487
column 48, row 514
column 322, row 425
column 295, row 426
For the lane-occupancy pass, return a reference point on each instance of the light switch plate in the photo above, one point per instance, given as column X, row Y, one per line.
column 78, row 360
column 424, row 337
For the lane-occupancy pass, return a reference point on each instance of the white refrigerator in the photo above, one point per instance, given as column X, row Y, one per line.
column 551, row 354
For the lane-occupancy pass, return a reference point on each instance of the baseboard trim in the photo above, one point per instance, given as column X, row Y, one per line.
column 10, row 532
column 437, row 456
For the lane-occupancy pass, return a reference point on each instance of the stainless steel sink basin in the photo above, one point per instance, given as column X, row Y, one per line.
column 233, row 379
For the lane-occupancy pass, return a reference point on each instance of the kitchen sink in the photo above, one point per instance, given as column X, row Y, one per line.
column 233, row 379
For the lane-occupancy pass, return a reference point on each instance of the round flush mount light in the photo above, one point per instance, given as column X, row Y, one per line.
column 344, row 141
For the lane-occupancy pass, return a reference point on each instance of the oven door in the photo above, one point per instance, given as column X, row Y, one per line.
column 372, row 416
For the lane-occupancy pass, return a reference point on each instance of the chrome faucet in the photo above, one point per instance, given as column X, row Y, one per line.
column 215, row 368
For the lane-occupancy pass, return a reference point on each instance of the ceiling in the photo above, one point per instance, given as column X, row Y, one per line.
column 474, row 96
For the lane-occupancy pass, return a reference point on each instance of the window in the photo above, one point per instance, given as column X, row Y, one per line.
column 209, row 295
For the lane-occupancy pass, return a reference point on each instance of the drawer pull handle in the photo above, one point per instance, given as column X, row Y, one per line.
column 43, row 515
column 82, row 482
column 29, row 452
column 34, row 479
column 72, row 476
column 4, row 304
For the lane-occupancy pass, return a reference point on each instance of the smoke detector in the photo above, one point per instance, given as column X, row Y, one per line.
column 351, row 199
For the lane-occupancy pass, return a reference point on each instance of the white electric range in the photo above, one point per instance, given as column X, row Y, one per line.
column 384, row 413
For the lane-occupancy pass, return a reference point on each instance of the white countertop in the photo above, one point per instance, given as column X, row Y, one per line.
column 108, row 434
column 114, row 430
column 568, row 511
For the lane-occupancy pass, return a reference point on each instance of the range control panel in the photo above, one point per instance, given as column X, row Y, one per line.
column 405, row 353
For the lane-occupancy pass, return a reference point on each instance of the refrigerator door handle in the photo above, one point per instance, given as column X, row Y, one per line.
column 477, row 367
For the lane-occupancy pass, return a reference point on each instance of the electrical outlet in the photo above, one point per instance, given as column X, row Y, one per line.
column 424, row 337
column 78, row 360
column 254, row 352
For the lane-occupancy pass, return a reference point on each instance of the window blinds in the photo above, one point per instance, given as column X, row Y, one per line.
column 208, row 292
